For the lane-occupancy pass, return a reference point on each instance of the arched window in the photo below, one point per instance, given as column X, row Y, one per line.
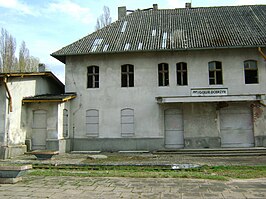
column 251, row 72
column 127, row 75
column 127, row 122
column 181, row 73
column 92, row 122
column 93, row 77
column 163, row 74
column 215, row 73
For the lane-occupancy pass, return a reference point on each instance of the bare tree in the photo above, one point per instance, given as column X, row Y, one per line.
column 23, row 57
column 8, row 60
column 7, row 52
column 104, row 19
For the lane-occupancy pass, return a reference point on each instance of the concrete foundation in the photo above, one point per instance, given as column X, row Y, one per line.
column 118, row 144
column 260, row 141
column 202, row 142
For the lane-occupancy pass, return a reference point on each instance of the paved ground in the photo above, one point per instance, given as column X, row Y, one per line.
column 87, row 187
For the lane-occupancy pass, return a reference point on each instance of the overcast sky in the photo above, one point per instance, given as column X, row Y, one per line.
column 48, row 25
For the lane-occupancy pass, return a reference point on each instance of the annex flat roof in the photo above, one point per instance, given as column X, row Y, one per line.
column 49, row 98
column 176, row 29
column 194, row 99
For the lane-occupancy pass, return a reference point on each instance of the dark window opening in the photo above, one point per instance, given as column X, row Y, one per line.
column 251, row 72
column 181, row 73
column 93, row 77
column 163, row 74
column 215, row 73
column 127, row 75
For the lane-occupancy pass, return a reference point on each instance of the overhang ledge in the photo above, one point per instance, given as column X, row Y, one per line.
column 195, row 99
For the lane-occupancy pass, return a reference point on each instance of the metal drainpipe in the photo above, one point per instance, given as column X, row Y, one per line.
column 9, row 95
column 262, row 53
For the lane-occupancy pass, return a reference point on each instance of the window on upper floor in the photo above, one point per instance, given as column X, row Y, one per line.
column 93, row 77
column 92, row 122
column 127, row 122
column 251, row 72
column 215, row 73
column 127, row 75
column 181, row 73
column 163, row 74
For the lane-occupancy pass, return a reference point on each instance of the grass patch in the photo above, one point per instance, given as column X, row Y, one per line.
column 205, row 172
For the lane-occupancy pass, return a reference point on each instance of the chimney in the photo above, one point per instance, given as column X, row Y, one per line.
column 122, row 12
column 155, row 6
column 188, row 5
column 41, row 67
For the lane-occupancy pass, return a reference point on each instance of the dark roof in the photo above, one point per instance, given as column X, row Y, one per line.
column 176, row 29
column 49, row 98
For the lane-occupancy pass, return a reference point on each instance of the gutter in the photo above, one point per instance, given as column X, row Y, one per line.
column 262, row 53
column 9, row 95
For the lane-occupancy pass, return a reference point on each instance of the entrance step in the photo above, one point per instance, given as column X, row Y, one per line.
column 258, row 151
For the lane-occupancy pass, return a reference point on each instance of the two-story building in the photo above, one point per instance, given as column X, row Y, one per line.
column 170, row 78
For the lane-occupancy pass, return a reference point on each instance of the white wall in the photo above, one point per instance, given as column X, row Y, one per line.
column 2, row 113
column 110, row 98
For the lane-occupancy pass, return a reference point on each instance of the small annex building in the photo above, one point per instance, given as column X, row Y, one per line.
column 169, row 78
column 33, row 113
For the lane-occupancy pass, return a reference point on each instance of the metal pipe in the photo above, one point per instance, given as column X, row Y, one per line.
column 9, row 95
column 262, row 53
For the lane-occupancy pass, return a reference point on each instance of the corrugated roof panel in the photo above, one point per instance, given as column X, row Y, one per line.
column 177, row 29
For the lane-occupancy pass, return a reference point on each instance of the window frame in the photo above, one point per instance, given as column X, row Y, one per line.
column 181, row 74
column 163, row 74
column 217, row 73
column 94, row 82
column 124, row 113
column 93, row 122
column 127, row 75
column 248, row 70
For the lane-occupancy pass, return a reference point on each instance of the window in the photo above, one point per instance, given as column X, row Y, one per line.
column 181, row 73
column 215, row 73
column 65, row 123
column 127, row 122
column 127, row 75
column 251, row 72
column 163, row 74
column 92, row 123
column 93, row 77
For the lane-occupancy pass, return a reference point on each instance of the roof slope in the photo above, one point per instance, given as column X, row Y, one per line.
column 176, row 29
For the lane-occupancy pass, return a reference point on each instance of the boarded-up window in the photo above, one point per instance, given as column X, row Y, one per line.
column 127, row 122
column 92, row 122
column 65, row 123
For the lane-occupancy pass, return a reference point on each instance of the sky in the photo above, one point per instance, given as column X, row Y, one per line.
column 48, row 25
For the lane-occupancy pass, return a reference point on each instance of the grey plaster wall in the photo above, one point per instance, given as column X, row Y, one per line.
column 110, row 98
